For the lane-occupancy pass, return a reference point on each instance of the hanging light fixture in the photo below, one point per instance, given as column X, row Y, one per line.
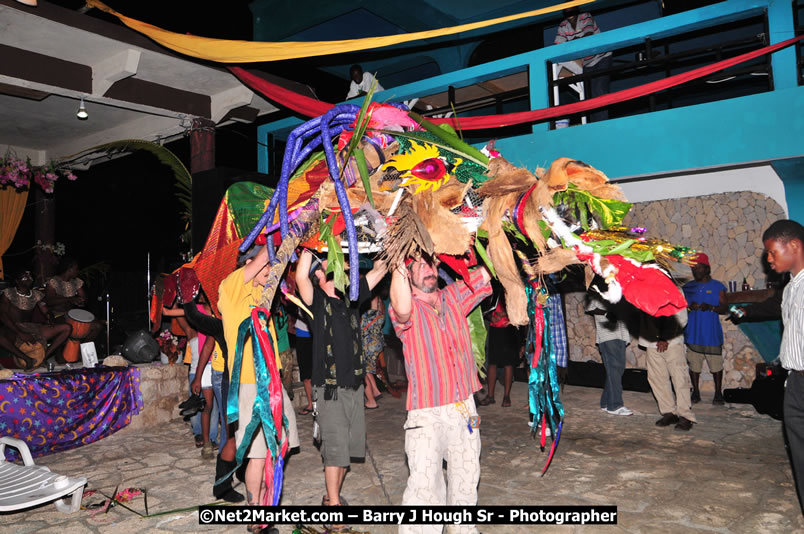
column 82, row 111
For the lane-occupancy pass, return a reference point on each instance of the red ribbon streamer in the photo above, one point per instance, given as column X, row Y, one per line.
column 274, row 386
column 311, row 107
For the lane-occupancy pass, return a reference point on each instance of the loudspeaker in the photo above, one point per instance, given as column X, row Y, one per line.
column 140, row 347
column 593, row 374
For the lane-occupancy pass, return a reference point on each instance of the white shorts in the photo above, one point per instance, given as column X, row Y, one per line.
column 206, row 377
column 194, row 355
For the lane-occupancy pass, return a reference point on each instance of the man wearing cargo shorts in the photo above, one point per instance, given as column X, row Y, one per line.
column 337, row 367
column 703, row 333
column 238, row 294
column 442, row 421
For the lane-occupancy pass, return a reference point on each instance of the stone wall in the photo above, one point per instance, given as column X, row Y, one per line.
column 163, row 387
column 728, row 228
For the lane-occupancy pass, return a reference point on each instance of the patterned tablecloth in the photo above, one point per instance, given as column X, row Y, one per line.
column 59, row 411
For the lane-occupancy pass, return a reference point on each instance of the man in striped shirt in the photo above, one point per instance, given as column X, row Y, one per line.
column 784, row 245
column 574, row 26
column 442, row 421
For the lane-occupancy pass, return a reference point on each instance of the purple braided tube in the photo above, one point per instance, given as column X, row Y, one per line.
column 343, row 200
column 283, row 179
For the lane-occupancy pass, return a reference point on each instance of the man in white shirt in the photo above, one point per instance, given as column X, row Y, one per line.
column 361, row 82
column 784, row 246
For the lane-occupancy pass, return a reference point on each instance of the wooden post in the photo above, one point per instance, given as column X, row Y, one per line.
column 202, row 145
column 45, row 262
column 202, row 156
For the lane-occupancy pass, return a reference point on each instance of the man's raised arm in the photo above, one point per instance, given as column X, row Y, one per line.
column 253, row 267
column 303, row 283
column 401, row 296
column 376, row 274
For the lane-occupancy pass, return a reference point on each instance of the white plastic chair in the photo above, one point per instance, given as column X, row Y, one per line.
column 578, row 87
column 24, row 486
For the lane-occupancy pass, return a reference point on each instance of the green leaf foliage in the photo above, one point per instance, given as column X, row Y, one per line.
column 362, row 168
column 481, row 251
column 452, row 140
column 582, row 203
column 478, row 333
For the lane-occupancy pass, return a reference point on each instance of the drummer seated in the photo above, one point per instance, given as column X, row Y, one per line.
column 17, row 305
column 65, row 291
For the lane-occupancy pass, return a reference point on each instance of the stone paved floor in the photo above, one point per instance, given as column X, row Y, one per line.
column 729, row 475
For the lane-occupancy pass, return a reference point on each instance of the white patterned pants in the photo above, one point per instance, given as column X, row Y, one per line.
column 432, row 436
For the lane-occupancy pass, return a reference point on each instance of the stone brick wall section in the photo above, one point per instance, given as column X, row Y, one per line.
column 728, row 228
column 163, row 387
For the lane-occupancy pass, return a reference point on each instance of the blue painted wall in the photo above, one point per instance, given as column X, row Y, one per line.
column 791, row 171
column 753, row 128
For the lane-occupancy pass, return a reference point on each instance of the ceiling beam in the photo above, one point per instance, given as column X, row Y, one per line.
column 43, row 69
column 23, row 92
column 113, row 69
column 246, row 114
column 137, row 91
column 225, row 101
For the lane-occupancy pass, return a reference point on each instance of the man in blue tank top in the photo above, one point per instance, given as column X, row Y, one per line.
column 703, row 334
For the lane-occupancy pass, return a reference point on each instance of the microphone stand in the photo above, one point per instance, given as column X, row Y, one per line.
column 108, row 325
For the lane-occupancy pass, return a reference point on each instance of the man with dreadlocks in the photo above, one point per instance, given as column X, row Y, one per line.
column 442, row 421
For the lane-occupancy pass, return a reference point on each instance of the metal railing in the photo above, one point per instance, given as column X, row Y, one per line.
column 653, row 58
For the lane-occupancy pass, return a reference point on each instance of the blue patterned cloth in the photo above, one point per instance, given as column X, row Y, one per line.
column 36, row 407
column 558, row 329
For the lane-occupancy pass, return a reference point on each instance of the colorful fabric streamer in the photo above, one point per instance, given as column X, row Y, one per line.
column 268, row 406
column 311, row 107
column 226, row 51
column 543, row 388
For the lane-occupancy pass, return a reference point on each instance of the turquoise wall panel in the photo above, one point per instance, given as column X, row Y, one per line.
column 752, row 128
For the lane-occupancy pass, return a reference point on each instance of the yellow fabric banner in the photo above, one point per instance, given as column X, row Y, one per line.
column 226, row 51
column 12, row 205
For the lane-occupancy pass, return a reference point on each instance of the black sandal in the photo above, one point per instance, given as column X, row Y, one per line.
column 325, row 502
column 487, row 401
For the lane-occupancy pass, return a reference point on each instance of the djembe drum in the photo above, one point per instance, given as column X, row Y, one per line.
column 81, row 322
column 35, row 351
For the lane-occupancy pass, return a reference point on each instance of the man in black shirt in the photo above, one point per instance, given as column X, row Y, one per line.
column 337, row 375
